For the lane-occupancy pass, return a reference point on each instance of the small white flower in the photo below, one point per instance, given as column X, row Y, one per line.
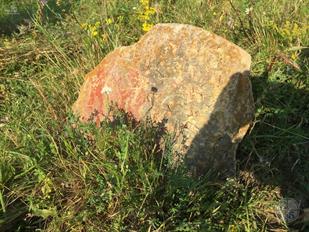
column 134, row 8
column 248, row 10
column 106, row 90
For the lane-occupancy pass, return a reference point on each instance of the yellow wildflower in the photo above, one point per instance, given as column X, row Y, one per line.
column 94, row 33
column 232, row 228
column 144, row 17
column 120, row 18
column 144, row 2
column 97, row 24
column 150, row 10
column 84, row 25
column 47, row 187
column 145, row 14
column 108, row 21
column 147, row 26
column 294, row 56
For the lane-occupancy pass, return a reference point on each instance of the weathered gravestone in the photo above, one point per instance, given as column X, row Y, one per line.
column 194, row 80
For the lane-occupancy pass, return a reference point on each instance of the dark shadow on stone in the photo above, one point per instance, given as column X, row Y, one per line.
column 213, row 148
column 277, row 149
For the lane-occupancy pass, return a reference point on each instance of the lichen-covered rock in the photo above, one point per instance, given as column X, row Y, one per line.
column 194, row 80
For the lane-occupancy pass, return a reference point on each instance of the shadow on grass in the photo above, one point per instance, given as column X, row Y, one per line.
column 13, row 17
column 277, row 149
column 16, row 14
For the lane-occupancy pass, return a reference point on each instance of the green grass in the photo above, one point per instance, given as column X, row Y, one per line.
column 57, row 174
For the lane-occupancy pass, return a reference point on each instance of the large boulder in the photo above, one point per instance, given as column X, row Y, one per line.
column 193, row 80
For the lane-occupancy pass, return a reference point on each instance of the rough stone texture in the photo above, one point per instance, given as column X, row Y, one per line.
column 194, row 80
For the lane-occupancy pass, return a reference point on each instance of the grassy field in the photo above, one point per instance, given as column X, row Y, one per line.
column 57, row 174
